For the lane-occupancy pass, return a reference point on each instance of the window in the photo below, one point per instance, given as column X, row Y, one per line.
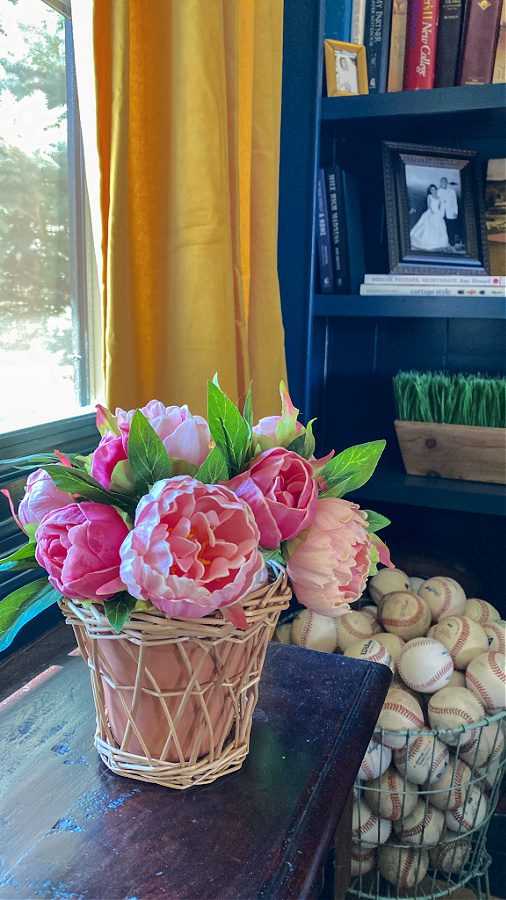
column 46, row 271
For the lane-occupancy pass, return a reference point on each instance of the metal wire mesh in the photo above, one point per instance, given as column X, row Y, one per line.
column 420, row 826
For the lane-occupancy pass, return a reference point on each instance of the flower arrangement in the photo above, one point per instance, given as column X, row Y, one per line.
column 181, row 515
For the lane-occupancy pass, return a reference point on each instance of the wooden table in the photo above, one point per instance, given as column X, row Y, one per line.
column 72, row 830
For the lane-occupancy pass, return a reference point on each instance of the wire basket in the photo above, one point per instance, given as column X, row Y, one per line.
column 420, row 825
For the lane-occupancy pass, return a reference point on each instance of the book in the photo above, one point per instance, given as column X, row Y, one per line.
column 448, row 40
column 499, row 74
column 357, row 21
column 337, row 227
column 418, row 290
column 323, row 238
column 378, row 18
column 421, row 33
column 495, row 216
column 397, row 45
column 338, row 19
column 354, row 231
column 480, row 35
column 441, row 280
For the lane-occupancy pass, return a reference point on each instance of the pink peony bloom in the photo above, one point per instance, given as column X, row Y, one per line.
column 41, row 497
column 193, row 548
column 110, row 451
column 78, row 546
column 282, row 492
column 330, row 566
column 184, row 436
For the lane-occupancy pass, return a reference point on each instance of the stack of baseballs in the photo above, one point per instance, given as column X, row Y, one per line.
column 417, row 792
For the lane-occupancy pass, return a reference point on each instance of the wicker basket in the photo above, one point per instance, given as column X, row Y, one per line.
column 174, row 697
column 416, row 861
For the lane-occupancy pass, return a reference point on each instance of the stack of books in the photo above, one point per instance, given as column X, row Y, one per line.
column 434, row 285
column 420, row 44
column 339, row 227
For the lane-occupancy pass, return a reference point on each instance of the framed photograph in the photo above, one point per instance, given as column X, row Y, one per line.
column 345, row 68
column 435, row 211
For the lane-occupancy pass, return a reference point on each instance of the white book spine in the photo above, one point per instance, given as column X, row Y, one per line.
column 414, row 290
column 469, row 280
column 357, row 21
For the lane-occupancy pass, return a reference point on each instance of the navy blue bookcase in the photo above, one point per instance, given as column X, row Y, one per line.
column 343, row 350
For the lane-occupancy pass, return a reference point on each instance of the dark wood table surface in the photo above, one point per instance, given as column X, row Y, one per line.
column 72, row 830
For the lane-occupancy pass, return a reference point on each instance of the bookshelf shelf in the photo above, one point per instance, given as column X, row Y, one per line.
column 395, row 306
column 485, row 100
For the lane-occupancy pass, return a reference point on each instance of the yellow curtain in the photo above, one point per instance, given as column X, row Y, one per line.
column 185, row 112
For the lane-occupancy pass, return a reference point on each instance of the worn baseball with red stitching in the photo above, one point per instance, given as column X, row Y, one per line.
column 464, row 639
column 422, row 760
column 368, row 828
column 351, row 627
column 444, row 596
column 486, row 678
column 496, row 635
column 392, row 642
column 390, row 796
column 470, row 815
column 453, row 708
column 403, row 868
column 424, row 826
column 377, row 759
column 481, row 611
column 405, row 614
column 450, row 790
column 363, row 860
column 400, row 712
column 450, row 856
column 370, row 650
column 314, row 632
column 425, row 665
column 386, row 581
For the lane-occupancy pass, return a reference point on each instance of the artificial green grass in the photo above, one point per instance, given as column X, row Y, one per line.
column 452, row 399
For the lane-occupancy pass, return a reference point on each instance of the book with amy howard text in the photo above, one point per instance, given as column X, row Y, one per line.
column 438, row 280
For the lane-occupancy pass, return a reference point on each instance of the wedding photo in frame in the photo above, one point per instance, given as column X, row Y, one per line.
column 345, row 69
column 435, row 211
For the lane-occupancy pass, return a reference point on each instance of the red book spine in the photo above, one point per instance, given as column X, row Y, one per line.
column 419, row 64
column 481, row 32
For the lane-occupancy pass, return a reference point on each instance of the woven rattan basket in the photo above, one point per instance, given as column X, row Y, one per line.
column 175, row 697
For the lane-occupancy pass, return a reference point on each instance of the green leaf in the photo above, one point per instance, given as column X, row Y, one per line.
column 374, row 557
column 37, row 460
column 228, row 428
column 355, row 464
column 298, row 445
column 214, row 468
column 74, row 481
column 22, row 606
column 182, row 467
column 275, row 556
column 248, row 409
column 310, row 441
column 23, row 558
column 375, row 521
column 148, row 457
column 118, row 610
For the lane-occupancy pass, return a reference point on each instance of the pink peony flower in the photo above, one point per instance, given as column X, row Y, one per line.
column 79, row 546
column 184, row 436
column 330, row 566
column 282, row 492
column 41, row 497
column 193, row 548
column 278, row 431
column 110, row 451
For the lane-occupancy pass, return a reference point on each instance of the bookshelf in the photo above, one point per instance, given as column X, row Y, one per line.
column 342, row 350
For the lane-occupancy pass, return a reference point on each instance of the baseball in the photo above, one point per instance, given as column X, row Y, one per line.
column 488, row 774
column 314, row 632
column 392, row 642
column 487, row 744
column 351, row 627
column 376, row 761
column 458, row 679
column 470, row 815
column 370, row 650
column 400, row 712
column 450, row 790
column 496, row 636
column 444, row 597
column 368, row 828
column 452, row 708
column 372, row 614
column 481, row 611
column 386, row 581
column 403, row 868
column 282, row 633
column 450, row 856
column 405, row 614
column 464, row 639
column 485, row 677
column 390, row 796
column 423, row 826
column 363, row 860
column 425, row 665
column 422, row 760
column 415, row 583
column 431, row 631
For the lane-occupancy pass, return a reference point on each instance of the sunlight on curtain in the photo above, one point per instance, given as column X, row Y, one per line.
column 187, row 120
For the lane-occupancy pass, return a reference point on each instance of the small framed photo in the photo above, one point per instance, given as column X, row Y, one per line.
column 435, row 213
column 345, row 68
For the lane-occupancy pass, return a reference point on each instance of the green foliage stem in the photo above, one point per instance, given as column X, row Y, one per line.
column 450, row 399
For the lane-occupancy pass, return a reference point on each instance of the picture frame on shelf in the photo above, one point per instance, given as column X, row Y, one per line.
column 435, row 210
column 345, row 68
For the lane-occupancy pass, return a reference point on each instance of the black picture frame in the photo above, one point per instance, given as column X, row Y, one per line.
column 470, row 254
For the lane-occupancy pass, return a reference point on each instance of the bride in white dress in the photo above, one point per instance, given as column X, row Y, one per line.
column 430, row 233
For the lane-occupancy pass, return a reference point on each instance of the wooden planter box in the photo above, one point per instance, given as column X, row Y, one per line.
column 469, row 452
